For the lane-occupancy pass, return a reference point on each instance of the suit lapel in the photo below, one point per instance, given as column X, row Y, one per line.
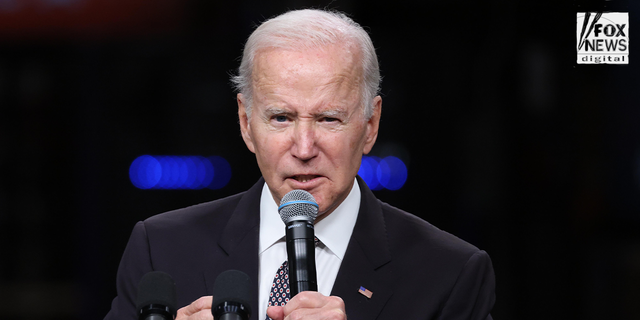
column 239, row 241
column 366, row 263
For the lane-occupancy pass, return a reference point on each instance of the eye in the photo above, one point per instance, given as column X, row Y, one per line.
column 329, row 119
column 280, row 118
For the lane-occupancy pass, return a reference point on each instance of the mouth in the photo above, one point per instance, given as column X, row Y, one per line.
column 302, row 178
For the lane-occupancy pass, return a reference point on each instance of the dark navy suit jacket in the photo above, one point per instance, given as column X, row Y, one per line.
column 415, row 270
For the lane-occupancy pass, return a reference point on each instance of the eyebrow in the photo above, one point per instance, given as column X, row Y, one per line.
column 332, row 113
column 272, row 111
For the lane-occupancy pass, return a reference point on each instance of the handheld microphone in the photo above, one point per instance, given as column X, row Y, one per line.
column 298, row 209
column 231, row 296
column 157, row 298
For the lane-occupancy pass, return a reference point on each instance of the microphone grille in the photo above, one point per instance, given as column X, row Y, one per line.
column 157, row 287
column 298, row 203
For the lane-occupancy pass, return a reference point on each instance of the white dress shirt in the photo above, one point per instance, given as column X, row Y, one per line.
column 334, row 232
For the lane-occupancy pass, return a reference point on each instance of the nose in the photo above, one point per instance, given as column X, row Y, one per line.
column 304, row 141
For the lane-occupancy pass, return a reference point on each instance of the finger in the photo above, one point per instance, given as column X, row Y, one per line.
column 275, row 313
column 312, row 305
column 305, row 299
column 203, row 303
column 317, row 314
column 200, row 315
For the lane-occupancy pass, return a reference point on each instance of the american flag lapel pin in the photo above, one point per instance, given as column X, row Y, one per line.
column 365, row 292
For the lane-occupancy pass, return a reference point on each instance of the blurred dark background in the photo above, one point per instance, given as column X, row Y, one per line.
column 509, row 144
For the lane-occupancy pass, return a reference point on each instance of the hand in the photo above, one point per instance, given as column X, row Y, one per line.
column 197, row 310
column 310, row 305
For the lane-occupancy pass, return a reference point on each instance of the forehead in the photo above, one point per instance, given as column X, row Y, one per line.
column 308, row 73
column 340, row 54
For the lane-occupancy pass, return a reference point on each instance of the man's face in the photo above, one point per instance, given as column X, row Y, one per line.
column 307, row 125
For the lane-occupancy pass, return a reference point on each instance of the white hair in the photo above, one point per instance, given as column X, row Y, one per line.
column 308, row 29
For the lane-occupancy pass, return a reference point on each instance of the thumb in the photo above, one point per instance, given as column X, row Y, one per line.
column 275, row 313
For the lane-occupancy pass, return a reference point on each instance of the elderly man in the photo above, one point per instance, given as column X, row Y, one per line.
column 308, row 109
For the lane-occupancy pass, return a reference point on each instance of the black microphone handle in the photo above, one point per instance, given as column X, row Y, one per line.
column 301, row 257
column 156, row 311
column 157, row 317
column 230, row 316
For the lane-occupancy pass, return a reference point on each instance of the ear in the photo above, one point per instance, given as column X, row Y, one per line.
column 245, row 126
column 372, row 125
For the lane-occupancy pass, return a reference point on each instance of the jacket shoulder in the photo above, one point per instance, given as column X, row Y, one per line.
column 411, row 235
column 204, row 215
column 458, row 275
column 197, row 210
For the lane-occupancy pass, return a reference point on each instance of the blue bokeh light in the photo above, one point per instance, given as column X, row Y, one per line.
column 367, row 172
column 145, row 172
column 390, row 173
column 223, row 172
column 179, row 172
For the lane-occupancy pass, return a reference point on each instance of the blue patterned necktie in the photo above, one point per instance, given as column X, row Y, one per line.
column 280, row 293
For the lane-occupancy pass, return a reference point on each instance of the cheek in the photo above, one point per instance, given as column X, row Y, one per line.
column 270, row 148
column 356, row 143
column 344, row 151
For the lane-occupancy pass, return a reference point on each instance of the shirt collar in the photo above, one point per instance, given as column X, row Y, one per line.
column 334, row 231
column 271, row 226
